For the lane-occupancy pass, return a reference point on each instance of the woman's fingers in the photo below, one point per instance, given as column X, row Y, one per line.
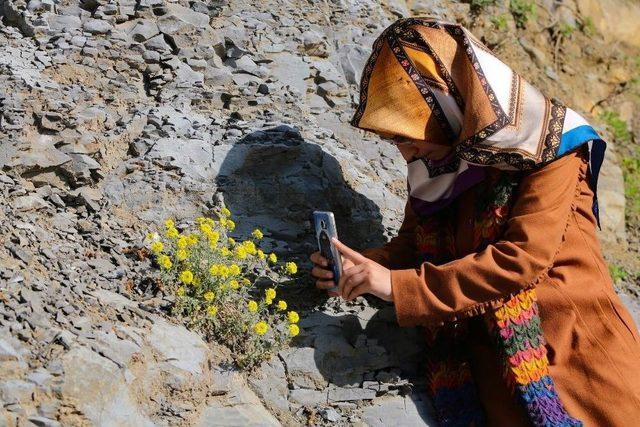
column 356, row 291
column 325, row 284
column 347, row 252
column 347, row 275
column 321, row 273
column 355, row 281
column 318, row 259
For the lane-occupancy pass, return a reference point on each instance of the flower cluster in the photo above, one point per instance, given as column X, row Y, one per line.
column 225, row 287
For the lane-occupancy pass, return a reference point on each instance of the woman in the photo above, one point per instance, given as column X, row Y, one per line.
column 497, row 255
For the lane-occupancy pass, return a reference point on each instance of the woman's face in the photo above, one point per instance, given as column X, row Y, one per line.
column 414, row 149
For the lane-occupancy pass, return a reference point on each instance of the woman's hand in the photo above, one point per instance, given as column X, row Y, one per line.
column 324, row 275
column 362, row 275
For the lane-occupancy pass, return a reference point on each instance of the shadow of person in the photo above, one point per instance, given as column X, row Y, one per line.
column 273, row 180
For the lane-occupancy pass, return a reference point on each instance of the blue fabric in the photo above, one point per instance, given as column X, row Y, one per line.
column 575, row 138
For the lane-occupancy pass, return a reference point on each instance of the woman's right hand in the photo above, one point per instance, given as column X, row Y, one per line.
column 323, row 274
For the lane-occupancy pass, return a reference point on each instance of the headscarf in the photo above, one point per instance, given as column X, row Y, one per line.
column 434, row 81
column 428, row 80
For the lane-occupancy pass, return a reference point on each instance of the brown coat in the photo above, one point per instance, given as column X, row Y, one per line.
column 550, row 241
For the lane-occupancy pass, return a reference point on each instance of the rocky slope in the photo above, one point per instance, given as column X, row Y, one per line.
column 116, row 114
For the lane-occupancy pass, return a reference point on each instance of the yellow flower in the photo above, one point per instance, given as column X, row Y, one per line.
column 212, row 310
column 192, row 239
column 261, row 328
column 205, row 228
column 252, row 306
column 169, row 224
column 246, row 281
column 214, row 270
column 157, row 247
column 234, row 284
column 196, row 282
column 186, row 277
column 273, row 258
column 225, row 212
column 182, row 254
column 282, row 305
column 257, row 234
column 182, row 242
column 181, row 291
column 234, row 269
column 291, row 268
column 225, row 251
column 293, row 317
column 164, row 262
column 261, row 254
column 250, row 247
column 230, row 225
column 268, row 301
column 172, row 233
column 209, row 296
column 223, row 221
column 224, row 271
column 240, row 252
column 270, row 293
column 153, row 236
column 294, row 330
column 213, row 236
column 231, row 241
column 201, row 220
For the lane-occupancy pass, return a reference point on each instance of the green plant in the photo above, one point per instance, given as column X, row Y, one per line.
column 523, row 11
column 567, row 29
column 587, row 26
column 500, row 22
column 226, row 289
column 616, row 125
column 618, row 273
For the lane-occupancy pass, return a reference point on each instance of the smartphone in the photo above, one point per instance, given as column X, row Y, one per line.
column 325, row 226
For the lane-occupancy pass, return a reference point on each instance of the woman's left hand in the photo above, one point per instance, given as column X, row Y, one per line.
column 365, row 276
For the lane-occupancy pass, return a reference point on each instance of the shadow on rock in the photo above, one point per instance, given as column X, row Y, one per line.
column 274, row 179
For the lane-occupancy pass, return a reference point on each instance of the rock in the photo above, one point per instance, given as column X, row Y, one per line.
column 536, row 54
column 30, row 202
column 352, row 58
column 97, row 26
column 179, row 347
column 242, row 408
column 339, row 394
column 63, row 22
column 397, row 410
column 144, row 30
column 99, row 390
column 43, row 422
column 179, row 18
column 290, row 70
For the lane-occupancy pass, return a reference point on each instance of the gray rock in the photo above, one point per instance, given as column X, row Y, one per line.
column 99, row 390
column 97, row 26
column 340, row 394
column 179, row 347
column 290, row 70
column 400, row 411
column 30, row 202
column 144, row 30
column 63, row 22
column 43, row 422
column 352, row 58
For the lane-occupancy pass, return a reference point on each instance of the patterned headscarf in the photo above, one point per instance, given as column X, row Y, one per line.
column 432, row 81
